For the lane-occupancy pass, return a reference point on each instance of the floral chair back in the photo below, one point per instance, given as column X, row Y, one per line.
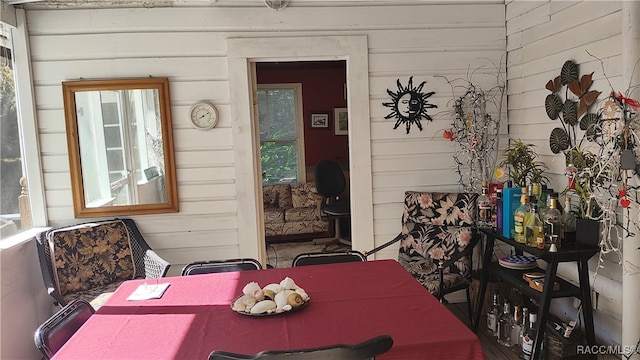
column 437, row 229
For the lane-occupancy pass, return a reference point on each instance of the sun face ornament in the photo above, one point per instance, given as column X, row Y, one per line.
column 409, row 105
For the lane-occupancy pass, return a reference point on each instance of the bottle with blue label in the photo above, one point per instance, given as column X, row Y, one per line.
column 510, row 202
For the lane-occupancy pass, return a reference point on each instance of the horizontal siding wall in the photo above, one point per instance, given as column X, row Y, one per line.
column 541, row 36
column 430, row 41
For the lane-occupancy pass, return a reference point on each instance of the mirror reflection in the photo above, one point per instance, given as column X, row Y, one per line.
column 120, row 147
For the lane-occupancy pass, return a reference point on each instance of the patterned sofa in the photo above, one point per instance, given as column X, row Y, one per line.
column 292, row 211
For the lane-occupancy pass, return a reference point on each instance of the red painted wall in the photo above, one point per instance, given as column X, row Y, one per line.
column 323, row 89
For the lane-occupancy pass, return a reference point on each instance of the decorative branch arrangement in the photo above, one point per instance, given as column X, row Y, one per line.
column 475, row 131
column 606, row 179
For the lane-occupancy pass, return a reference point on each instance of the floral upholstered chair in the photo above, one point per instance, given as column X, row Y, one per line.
column 89, row 261
column 437, row 239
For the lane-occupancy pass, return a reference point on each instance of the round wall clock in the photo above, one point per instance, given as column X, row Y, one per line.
column 204, row 116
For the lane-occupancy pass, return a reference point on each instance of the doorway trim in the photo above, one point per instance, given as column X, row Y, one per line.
column 242, row 54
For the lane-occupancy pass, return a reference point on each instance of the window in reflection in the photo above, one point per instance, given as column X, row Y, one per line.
column 121, row 147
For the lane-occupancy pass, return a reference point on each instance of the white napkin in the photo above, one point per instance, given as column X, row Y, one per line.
column 148, row 291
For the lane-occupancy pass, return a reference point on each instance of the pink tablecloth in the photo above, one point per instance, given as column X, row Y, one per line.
column 349, row 303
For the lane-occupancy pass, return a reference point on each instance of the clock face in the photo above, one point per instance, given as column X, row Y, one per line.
column 203, row 116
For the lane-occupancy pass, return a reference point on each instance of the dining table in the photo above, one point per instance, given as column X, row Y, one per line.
column 348, row 303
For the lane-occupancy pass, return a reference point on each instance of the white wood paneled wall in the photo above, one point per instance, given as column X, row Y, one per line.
column 188, row 45
column 541, row 36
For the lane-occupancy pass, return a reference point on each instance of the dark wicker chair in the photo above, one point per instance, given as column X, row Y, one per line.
column 216, row 266
column 365, row 350
column 58, row 329
column 331, row 257
column 88, row 261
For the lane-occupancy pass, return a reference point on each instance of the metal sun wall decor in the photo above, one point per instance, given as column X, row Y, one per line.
column 409, row 105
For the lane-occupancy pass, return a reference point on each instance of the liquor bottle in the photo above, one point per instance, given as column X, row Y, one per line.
column 536, row 192
column 504, row 325
column 552, row 220
column 532, row 226
column 520, row 218
column 498, row 216
column 545, row 197
column 516, row 327
column 555, row 195
column 510, row 202
column 492, row 315
column 528, row 337
column 540, row 235
column 484, row 207
column 568, row 223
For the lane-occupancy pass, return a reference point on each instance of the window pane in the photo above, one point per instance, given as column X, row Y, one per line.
column 10, row 154
column 277, row 114
column 279, row 162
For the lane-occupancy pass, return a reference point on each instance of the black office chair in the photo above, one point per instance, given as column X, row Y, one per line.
column 368, row 349
column 58, row 329
column 216, row 266
column 319, row 258
column 331, row 183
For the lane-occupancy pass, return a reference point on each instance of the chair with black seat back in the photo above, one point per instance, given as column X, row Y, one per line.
column 331, row 183
column 368, row 349
column 90, row 260
column 58, row 329
column 216, row 266
column 319, row 258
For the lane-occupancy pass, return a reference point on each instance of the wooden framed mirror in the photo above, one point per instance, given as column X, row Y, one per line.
column 120, row 142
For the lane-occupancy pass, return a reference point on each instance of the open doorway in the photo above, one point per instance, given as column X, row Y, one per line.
column 243, row 54
column 300, row 105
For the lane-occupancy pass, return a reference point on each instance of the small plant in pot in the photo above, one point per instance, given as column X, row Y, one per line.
column 520, row 162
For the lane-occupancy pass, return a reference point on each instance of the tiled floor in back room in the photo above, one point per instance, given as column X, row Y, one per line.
column 281, row 255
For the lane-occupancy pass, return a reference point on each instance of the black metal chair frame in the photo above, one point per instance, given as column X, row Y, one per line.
column 328, row 257
column 148, row 263
column 216, row 266
column 58, row 329
column 442, row 265
column 332, row 209
column 368, row 349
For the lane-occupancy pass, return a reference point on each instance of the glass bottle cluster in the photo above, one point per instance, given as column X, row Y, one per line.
column 537, row 219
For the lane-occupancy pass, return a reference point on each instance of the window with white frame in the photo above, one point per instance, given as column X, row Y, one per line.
column 11, row 158
column 281, row 133
column 22, row 203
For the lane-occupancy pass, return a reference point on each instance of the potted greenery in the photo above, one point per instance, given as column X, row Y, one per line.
column 569, row 101
column 520, row 162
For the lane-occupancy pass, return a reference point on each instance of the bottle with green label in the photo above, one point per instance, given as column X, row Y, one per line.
column 532, row 226
column 520, row 217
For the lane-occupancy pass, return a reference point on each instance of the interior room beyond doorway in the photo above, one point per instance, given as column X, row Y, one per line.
column 324, row 94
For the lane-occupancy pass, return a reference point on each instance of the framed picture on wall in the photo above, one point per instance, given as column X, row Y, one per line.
column 319, row 120
column 341, row 118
